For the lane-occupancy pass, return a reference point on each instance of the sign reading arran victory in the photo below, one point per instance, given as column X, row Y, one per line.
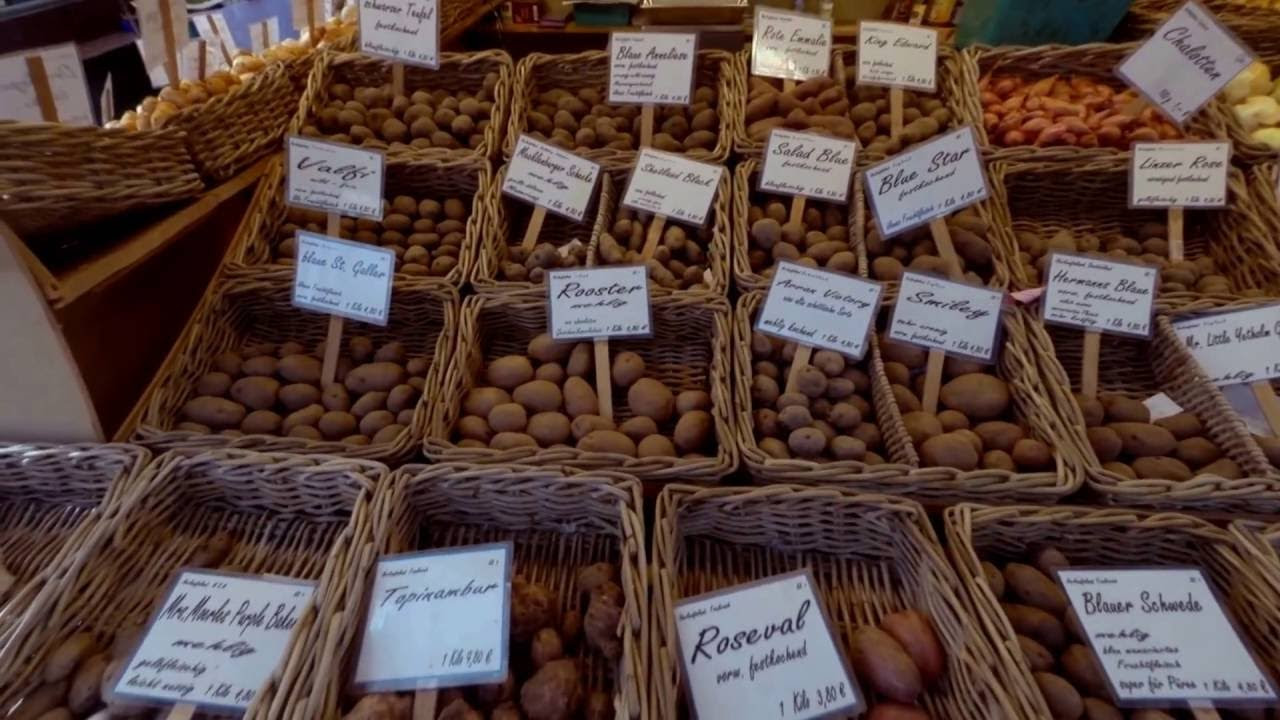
column 820, row 308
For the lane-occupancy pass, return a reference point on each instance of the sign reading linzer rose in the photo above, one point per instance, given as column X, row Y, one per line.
column 816, row 166
column 652, row 67
column 1179, row 174
column 789, row 45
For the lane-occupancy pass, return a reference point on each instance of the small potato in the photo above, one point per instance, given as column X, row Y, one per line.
column 1163, row 468
column 336, row 424
column 336, row 397
column 375, row 377
column 82, row 694
column 228, row 363
column 949, row 450
column 1032, row 455
column 369, row 402
column 999, row 435
column 470, row 427
column 539, row 396
column 915, row 633
column 692, row 400
column 651, row 398
column 479, row 401
column 1036, row 624
column 994, row 578
column 1197, row 452
column 638, row 428
column 880, row 661
column 306, row 417
column 1034, row 588
column 1105, row 442
column 511, row 440
column 402, row 397
column 62, row 661
column 585, row 424
column 1083, row 670
column 545, row 647
column 1064, row 701
column 508, row 417
column 263, row 365
column 607, row 441
column 255, row 393
column 921, row 425
column 510, row 372
column 214, row 412
column 261, row 422
column 693, row 430
column 1183, row 425
column 298, row 395
column 1038, row 657
column 656, row 446
column 580, row 397
column 978, row 395
column 549, row 428
column 807, row 442
column 215, row 383
column 628, row 367
column 1143, row 439
column 543, row 349
column 300, row 369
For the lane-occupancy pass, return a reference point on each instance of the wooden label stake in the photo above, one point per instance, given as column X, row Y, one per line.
column 311, row 20
column 332, row 340
column 424, row 704
column 933, row 370
column 1175, row 234
column 397, row 78
column 646, row 125
column 799, row 362
column 788, row 85
column 40, row 83
column 895, row 112
column 1089, row 363
column 202, row 59
column 604, row 381
column 656, row 226
column 1268, row 403
column 534, row 228
column 181, row 711
column 170, row 42
column 797, row 209
column 1204, row 712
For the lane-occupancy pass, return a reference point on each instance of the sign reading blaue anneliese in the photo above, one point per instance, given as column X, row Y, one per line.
column 1095, row 294
column 672, row 185
column 824, row 309
column 815, row 166
column 764, row 650
column 1185, row 62
column 897, row 55
column 1163, row 639
column 551, row 178
column 1235, row 347
column 1179, row 174
column 601, row 302
column 939, row 314
column 404, row 30
column 333, row 177
column 338, row 277
column 214, row 640
column 652, row 67
column 935, row 179
column 437, row 619
column 790, row 45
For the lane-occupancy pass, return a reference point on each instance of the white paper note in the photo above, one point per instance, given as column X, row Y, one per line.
column 897, row 55
column 815, row 166
column 212, row 27
column 349, row 279
column 1179, row 174
column 404, row 30
column 672, row 185
column 67, row 86
column 939, row 314
column 152, row 29
column 107, row 101
column 547, row 176
column 334, row 177
column 788, row 45
column 1161, row 406
column 937, row 178
column 652, row 67
column 820, row 308
column 602, row 302
column 263, row 35
column 1235, row 347
column 1095, row 294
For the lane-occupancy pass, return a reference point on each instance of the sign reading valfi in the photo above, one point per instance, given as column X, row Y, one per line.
column 333, row 177
column 1161, row 636
column 1096, row 294
column 57, row 80
column 214, row 640
column 789, row 45
column 764, row 650
column 939, row 314
column 820, row 308
column 603, row 302
column 349, row 279
column 897, row 55
column 437, row 619
column 403, row 30
column 1186, row 62
column 652, row 67
column 672, row 185
column 1179, row 174
column 816, row 166
column 935, row 179
column 1235, row 347
column 549, row 177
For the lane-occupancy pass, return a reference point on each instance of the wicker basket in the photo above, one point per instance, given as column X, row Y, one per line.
column 689, row 351
column 556, row 522
column 1256, row 544
column 241, row 312
column 539, row 72
column 1255, row 26
column 1243, row 147
column 1086, row 536
column 870, row 555
column 55, row 177
column 300, row 517
column 1264, row 185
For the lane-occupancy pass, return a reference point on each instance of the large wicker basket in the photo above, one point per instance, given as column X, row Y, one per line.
column 1257, row 545
column 870, row 555
column 1264, row 185
column 1254, row 25
column 1090, row 537
column 241, row 312
column 1243, row 147
column 689, row 351
column 557, row 523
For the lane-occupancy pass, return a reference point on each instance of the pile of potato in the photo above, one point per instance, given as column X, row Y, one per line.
column 829, row 417
column 267, row 389
column 679, row 261
column 532, row 266
column 1255, row 102
column 899, row 660
column 819, row 240
column 426, row 235
column 584, row 121
column 546, row 398
column 1130, row 444
column 1149, row 246
column 915, row 250
column 548, row 645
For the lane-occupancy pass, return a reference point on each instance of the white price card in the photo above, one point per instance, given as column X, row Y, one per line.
column 157, row 36
column 1096, row 294
column 1185, row 62
column 437, row 619
column 550, row 177
column 212, row 27
column 63, row 80
column 821, row 308
column 333, row 177
column 338, row 277
column 939, row 314
column 404, row 30
column 932, row 180
column 790, row 45
column 652, row 67
column 672, row 185
column 215, row 638
column 1179, row 174
column 815, row 166
column 264, row 34
column 765, row 649
column 1235, row 347
column 1163, row 639
column 897, row 55
column 601, row 302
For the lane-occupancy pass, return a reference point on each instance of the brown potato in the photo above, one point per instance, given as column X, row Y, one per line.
column 994, row 578
column 1123, row 409
column 628, row 367
column 896, row 711
column 880, row 661
column 1083, row 670
column 1143, row 439
column 607, row 441
column 369, row 402
column 501, row 441
column 1197, row 452
column 553, row 693
column 949, row 450
column 539, row 396
column 1034, row 588
column 261, row 422
column 549, row 428
column 1032, row 455
column 1036, row 624
column 1163, row 468
column 63, row 659
column 300, row 369
column 659, row 446
column 336, row 424
column 977, row 395
column 915, row 633
column 651, row 398
column 374, row 377
column 584, row 424
column 508, row 417
column 1038, row 657
column 693, row 430
column 509, row 372
column 921, row 425
column 1063, row 700
column 214, row 412
column 255, row 393
column 999, row 435
column 214, row 383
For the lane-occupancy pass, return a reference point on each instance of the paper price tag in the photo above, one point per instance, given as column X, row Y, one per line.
column 155, row 39
column 1179, row 174
column 1185, row 62
column 652, row 67
column 790, row 45
column 1096, row 294
column 1235, row 347
column 764, row 650
column 821, row 308
column 939, row 314
column 437, row 619
column 215, row 638
column 935, row 179
column 63, row 81
column 603, row 302
column 672, row 185
column 333, row 177
column 213, row 28
column 343, row 278
column 549, row 177
column 897, row 55
column 403, row 30
column 1162, row 637
column 815, row 166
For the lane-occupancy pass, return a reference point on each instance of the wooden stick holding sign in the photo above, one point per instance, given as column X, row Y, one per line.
column 790, row 45
column 1268, row 403
column 170, row 42
column 937, row 358
column 40, row 84
column 900, row 57
column 333, row 338
column 550, row 178
column 424, row 704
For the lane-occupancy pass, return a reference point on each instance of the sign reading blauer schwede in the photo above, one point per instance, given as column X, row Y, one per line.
column 652, row 67
column 338, row 277
column 601, row 302
column 407, row 31
column 333, row 177
column 552, row 178
column 816, row 166
column 939, row 314
column 934, row 179
column 1096, row 294
column 824, row 309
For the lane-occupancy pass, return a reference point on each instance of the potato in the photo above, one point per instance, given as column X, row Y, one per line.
column 978, row 395
column 949, row 450
column 509, row 372
column 1063, row 700
column 1105, row 442
column 651, row 398
column 999, row 435
column 470, row 427
column 1095, row 709
column 307, row 416
column 607, row 441
column 1124, row 409
column 604, row 614
column 807, row 442
column 545, row 647
column 628, row 367
column 261, row 422
column 400, row 398
column 255, row 393
column 1083, row 670
column 921, row 425
column 375, row 377
column 1036, row 624
column 300, row 369
column 369, row 402
column 228, row 363
column 1032, row 456
column 882, row 663
column 1120, row 469
column 692, row 400
column 998, row 460
column 479, row 401
column 915, row 633
column 553, row 693
column 1050, row 559
column 214, row 383
column 336, row 424
column 83, row 693
column 1034, row 588
column 1143, row 440
column 693, row 430
column 1038, row 657
column 543, row 349
column 953, row 420
column 263, row 365
column 1223, row 468
column 214, row 412
column 508, row 417
column 585, row 424
column 64, row 658
column 896, row 711
column 1183, row 425
column 1091, row 409
column 1197, row 452
column 298, row 395
column 1163, row 468
column 995, row 579
column 549, row 428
